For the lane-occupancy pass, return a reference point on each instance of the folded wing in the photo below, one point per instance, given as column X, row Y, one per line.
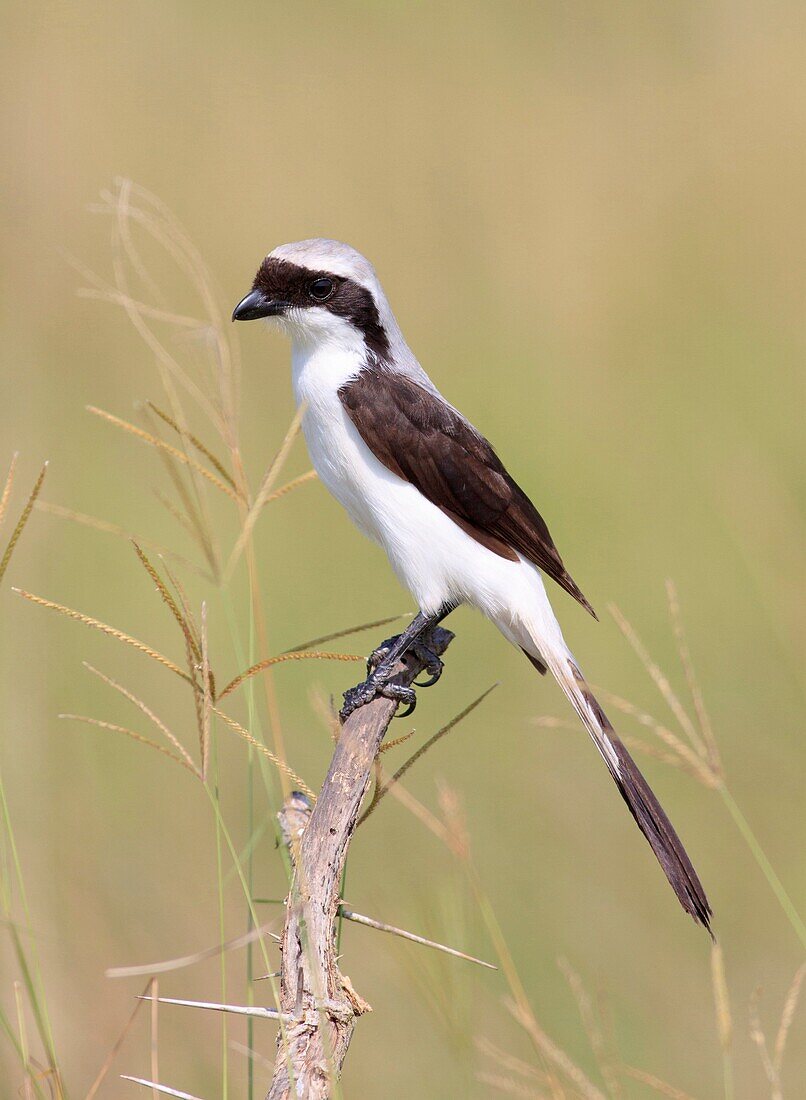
column 423, row 440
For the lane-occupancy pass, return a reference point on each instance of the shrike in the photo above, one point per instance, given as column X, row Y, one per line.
column 417, row 478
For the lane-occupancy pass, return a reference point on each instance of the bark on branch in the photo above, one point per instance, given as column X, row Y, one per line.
column 316, row 998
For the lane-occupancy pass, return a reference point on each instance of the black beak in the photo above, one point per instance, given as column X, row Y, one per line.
column 256, row 304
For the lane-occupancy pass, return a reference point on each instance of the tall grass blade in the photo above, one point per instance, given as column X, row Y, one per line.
column 30, row 970
column 724, row 1020
column 775, row 883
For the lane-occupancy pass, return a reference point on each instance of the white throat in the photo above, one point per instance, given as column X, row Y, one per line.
column 326, row 352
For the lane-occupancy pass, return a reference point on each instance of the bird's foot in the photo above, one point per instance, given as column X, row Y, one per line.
column 419, row 649
column 371, row 688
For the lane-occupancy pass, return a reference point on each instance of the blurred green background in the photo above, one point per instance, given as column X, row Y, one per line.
column 589, row 220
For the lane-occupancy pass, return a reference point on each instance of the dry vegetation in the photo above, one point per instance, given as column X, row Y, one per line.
column 207, row 391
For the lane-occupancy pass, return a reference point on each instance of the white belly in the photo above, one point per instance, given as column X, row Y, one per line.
column 434, row 558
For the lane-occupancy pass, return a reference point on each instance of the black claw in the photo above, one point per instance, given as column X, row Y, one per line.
column 400, row 694
column 409, row 709
column 433, row 665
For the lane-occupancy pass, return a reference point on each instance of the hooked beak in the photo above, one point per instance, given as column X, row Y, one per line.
column 256, row 304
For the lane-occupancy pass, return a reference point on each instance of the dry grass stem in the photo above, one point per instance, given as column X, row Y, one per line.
column 655, row 1083
column 187, row 611
column 324, row 707
column 23, row 1036
column 112, row 631
column 163, row 230
column 659, row 679
column 508, row 1061
column 604, row 1057
column 248, row 1052
column 160, row 444
column 26, row 512
column 636, row 744
column 724, row 1021
column 190, row 521
column 135, row 737
column 206, row 701
column 697, row 765
column 760, row 1039
column 552, row 1053
column 790, row 1006
column 191, row 495
column 421, row 812
column 379, row 792
column 114, row 529
column 291, row 485
column 152, row 717
column 509, row 1086
column 116, row 297
column 183, row 961
column 312, row 655
column 269, row 478
column 703, row 718
column 197, row 443
column 546, row 721
column 167, row 598
column 104, row 1070
column 5, row 497
column 253, row 741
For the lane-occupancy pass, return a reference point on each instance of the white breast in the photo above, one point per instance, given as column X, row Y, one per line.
column 433, row 557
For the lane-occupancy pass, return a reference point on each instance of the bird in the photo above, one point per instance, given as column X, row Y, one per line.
column 418, row 479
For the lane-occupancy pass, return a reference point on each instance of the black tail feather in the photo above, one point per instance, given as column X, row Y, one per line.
column 663, row 839
column 636, row 792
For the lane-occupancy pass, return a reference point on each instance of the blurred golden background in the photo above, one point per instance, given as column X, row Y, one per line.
column 589, row 220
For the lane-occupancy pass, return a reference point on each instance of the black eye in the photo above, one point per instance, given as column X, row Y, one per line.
column 321, row 289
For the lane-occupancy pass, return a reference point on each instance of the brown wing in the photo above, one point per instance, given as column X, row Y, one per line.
column 421, row 439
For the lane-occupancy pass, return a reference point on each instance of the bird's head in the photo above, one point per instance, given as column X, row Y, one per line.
column 321, row 291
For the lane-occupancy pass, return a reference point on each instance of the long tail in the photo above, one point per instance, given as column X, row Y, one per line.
column 635, row 790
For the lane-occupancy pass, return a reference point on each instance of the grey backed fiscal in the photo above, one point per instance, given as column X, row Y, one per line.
column 418, row 479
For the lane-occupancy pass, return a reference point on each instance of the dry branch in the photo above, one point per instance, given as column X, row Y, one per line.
column 318, row 998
